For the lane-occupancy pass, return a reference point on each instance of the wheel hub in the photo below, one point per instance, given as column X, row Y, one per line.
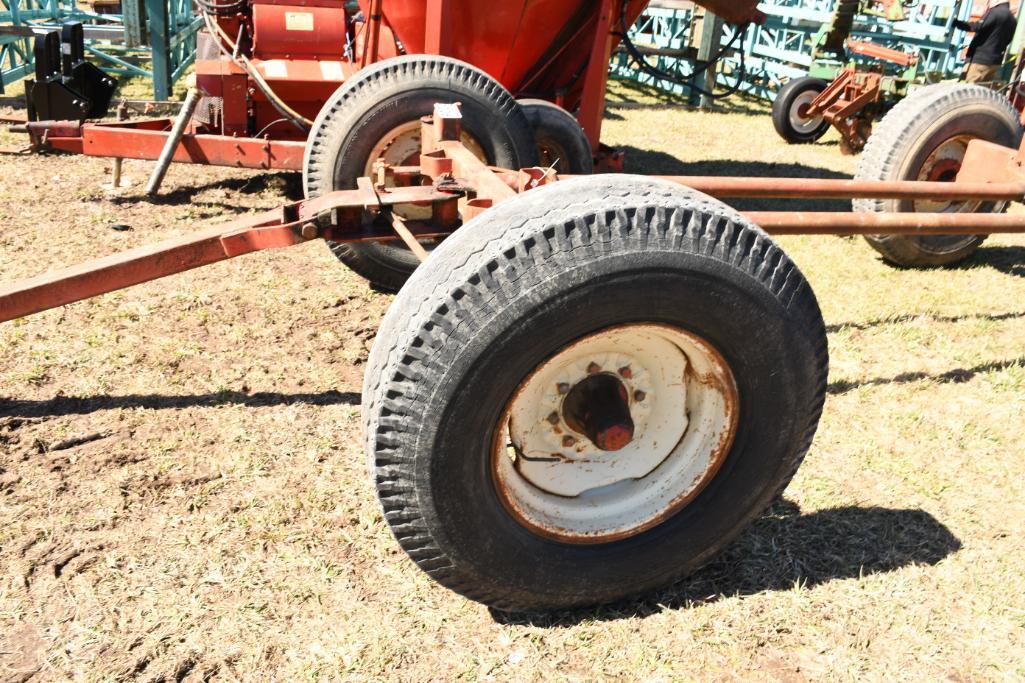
column 614, row 433
column 599, row 408
column 800, row 121
column 942, row 165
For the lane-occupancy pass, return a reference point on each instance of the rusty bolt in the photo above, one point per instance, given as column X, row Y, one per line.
column 569, row 441
column 625, row 372
column 563, row 388
column 593, row 368
column 310, row 231
column 639, row 395
column 554, row 418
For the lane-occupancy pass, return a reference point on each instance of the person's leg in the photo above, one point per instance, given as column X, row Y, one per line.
column 981, row 73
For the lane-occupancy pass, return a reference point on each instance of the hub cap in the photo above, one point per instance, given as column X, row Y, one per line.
column 615, row 433
column 799, row 119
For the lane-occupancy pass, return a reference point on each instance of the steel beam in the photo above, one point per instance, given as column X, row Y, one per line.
column 825, row 223
column 829, row 188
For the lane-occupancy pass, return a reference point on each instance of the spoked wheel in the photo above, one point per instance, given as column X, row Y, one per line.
column 925, row 137
column 590, row 391
column 790, row 111
column 376, row 114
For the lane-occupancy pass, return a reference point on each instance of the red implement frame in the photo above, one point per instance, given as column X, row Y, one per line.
column 461, row 187
column 572, row 72
column 144, row 139
column 842, row 102
column 882, row 53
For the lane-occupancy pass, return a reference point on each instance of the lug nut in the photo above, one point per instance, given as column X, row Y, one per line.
column 563, row 388
column 639, row 395
column 625, row 372
column 569, row 441
column 553, row 418
column 593, row 369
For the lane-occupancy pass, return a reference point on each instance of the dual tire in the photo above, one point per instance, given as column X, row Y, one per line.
column 377, row 113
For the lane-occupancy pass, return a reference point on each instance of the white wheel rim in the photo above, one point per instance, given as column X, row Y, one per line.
column 683, row 403
column 803, row 124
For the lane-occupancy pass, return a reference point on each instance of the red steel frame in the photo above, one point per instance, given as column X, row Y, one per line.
column 144, row 139
column 461, row 186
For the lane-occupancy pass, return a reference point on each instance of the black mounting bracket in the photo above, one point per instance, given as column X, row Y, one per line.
column 66, row 87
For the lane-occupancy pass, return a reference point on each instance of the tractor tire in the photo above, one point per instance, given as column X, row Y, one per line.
column 608, row 282
column 787, row 117
column 924, row 137
column 377, row 114
column 561, row 142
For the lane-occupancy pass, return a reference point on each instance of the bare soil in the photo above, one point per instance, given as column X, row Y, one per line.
column 183, row 493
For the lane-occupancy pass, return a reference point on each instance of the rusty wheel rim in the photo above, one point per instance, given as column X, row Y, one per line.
column 401, row 146
column 589, row 475
column 942, row 166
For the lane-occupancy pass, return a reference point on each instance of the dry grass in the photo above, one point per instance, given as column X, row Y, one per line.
column 182, row 493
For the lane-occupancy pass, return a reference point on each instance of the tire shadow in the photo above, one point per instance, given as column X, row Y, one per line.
column 83, row 405
column 1007, row 260
column 955, row 376
column 782, row 549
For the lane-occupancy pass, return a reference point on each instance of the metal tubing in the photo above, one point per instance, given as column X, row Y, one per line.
column 160, row 39
column 164, row 161
column 816, row 188
column 468, row 167
column 826, row 223
column 275, row 229
column 132, row 267
column 130, row 142
column 399, row 225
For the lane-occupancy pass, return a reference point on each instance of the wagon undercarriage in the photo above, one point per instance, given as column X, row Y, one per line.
column 458, row 187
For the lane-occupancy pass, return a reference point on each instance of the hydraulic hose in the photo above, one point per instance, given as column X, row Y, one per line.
column 689, row 81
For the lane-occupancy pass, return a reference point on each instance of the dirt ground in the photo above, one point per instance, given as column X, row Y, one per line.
column 183, row 494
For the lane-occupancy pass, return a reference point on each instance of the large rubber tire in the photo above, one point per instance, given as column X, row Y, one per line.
column 561, row 141
column 786, row 118
column 390, row 94
column 904, row 147
column 518, row 284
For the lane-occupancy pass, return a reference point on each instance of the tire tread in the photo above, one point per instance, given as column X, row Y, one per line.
column 461, row 278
